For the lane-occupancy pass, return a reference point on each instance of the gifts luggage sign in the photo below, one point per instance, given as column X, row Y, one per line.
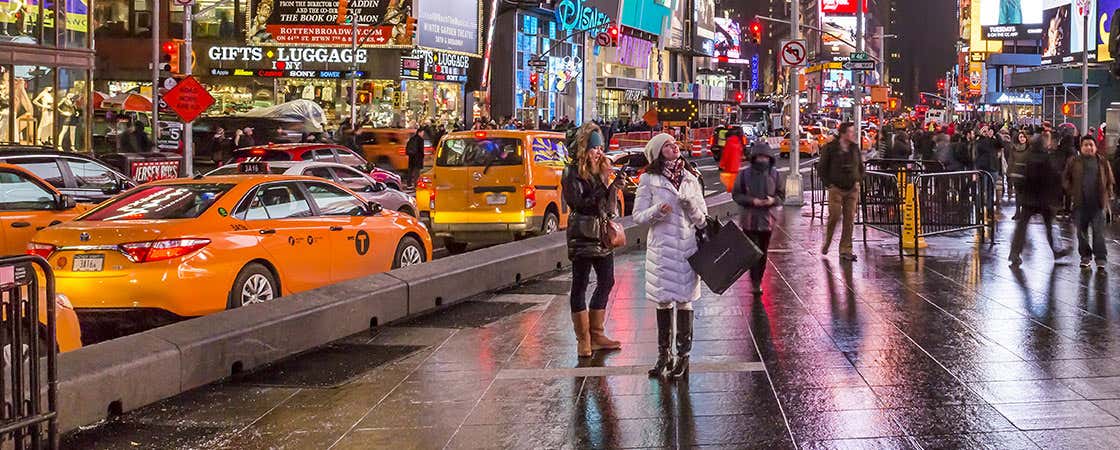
column 188, row 99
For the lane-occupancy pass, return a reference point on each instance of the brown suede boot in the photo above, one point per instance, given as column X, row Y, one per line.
column 583, row 333
column 599, row 339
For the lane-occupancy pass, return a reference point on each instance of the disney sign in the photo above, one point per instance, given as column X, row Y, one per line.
column 578, row 15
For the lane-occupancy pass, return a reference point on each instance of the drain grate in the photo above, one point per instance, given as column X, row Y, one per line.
column 543, row 287
column 328, row 367
column 470, row 314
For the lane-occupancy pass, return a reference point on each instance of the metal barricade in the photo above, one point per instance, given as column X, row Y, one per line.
column 880, row 199
column 957, row 201
column 29, row 417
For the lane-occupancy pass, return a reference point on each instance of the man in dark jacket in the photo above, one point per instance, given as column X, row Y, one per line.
column 758, row 188
column 988, row 150
column 414, row 149
column 1037, row 197
column 1088, row 183
column 841, row 170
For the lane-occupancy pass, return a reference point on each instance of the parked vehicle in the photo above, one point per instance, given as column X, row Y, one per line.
column 85, row 179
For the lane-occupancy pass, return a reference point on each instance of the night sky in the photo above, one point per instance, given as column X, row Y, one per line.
column 929, row 42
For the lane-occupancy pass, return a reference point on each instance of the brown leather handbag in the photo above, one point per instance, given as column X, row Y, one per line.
column 611, row 234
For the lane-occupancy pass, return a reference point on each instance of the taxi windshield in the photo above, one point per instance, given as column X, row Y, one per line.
column 168, row 201
column 233, row 170
column 467, row 152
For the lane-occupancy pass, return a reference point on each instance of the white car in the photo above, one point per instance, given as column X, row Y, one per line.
column 361, row 183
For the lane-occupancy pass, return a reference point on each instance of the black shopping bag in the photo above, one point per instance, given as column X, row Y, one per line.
column 721, row 259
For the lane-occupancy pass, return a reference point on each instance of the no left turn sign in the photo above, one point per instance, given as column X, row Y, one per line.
column 793, row 53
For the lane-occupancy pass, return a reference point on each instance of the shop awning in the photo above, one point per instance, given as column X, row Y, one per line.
column 127, row 102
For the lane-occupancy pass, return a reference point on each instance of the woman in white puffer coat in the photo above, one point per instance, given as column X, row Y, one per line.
column 671, row 200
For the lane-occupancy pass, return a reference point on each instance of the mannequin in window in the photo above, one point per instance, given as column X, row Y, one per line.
column 5, row 107
column 45, row 102
column 70, row 116
column 23, row 112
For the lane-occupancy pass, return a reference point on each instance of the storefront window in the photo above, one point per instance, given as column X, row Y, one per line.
column 76, row 32
column 218, row 22
column 72, row 120
column 5, row 105
column 33, row 105
column 20, row 20
column 122, row 18
column 430, row 102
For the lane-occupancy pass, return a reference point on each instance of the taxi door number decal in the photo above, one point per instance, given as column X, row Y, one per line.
column 361, row 242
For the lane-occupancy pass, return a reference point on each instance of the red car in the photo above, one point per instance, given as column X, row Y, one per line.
column 315, row 152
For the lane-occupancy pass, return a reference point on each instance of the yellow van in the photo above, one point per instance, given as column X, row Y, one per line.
column 492, row 186
column 385, row 147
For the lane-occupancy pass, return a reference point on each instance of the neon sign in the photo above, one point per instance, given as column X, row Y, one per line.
column 573, row 15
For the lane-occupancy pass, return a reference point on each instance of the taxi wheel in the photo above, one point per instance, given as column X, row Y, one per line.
column 551, row 223
column 409, row 253
column 255, row 284
column 455, row 247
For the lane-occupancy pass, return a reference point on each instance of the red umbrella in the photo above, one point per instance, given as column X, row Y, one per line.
column 128, row 102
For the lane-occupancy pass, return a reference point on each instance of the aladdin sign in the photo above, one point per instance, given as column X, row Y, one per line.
column 576, row 15
column 1015, row 98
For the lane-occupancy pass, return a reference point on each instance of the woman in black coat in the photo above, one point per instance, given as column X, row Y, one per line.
column 591, row 197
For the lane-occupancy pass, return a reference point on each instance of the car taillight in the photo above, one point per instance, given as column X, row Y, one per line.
column 140, row 252
column 530, row 197
column 37, row 249
column 432, row 200
column 424, row 183
column 401, row 150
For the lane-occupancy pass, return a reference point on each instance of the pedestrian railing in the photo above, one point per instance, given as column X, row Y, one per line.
column 29, row 414
column 913, row 205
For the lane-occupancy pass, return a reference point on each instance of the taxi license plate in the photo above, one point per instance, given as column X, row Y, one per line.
column 496, row 199
column 89, row 263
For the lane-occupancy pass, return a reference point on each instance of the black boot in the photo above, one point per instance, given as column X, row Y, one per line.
column 684, row 343
column 664, row 339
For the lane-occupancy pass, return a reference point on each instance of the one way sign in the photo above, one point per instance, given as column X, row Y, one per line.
column 859, row 65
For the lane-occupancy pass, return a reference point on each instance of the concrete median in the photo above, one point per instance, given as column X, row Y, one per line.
column 127, row 373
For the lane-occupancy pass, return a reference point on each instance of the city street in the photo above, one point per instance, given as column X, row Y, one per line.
column 951, row 350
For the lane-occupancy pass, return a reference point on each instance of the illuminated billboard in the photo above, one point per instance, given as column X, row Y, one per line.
column 1106, row 10
column 1011, row 19
column 727, row 39
column 841, row 6
column 1062, row 30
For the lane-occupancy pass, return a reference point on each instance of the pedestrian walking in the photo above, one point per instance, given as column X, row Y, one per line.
column 590, row 195
column 1016, row 159
column 758, row 189
column 414, row 149
column 841, row 169
column 671, row 201
column 731, row 159
column 1088, row 183
column 1038, row 197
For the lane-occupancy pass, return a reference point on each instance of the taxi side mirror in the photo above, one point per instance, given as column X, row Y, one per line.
column 377, row 187
column 374, row 208
column 64, row 202
column 118, row 186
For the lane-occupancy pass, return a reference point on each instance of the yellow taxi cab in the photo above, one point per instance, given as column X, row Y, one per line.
column 809, row 146
column 29, row 204
column 190, row 247
column 822, row 135
column 490, row 186
column 385, row 147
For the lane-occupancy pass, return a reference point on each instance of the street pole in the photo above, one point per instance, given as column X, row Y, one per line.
column 1085, row 74
column 857, row 96
column 186, row 59
column 155, row 69
column 794, row 197
column 353, row 72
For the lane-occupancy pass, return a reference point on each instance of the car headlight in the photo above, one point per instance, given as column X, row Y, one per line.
column 63, row 301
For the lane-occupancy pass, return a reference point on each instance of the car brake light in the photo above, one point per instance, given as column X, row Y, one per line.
column 480, row 135
column 424, row 183
column 401, row 150
column 257, row 152
column 140, row 252
column 37, row 249
column 530, row 197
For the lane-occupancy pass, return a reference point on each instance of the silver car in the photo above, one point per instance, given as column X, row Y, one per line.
column 355, row 180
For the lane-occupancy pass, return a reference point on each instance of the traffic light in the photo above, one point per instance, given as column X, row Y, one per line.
column 1071, row 109
column 169, row 60
column 533, row 78
column 940, row 84
column 612, row 33
column 756, row 32
column 893, row 104
column 739, row 96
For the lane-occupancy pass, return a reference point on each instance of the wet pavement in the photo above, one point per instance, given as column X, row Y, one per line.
column 951, row 350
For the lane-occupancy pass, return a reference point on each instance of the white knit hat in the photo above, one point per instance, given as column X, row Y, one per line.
column 653, row 147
